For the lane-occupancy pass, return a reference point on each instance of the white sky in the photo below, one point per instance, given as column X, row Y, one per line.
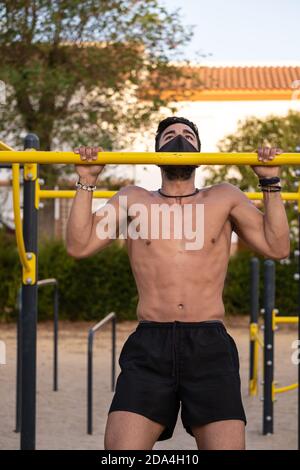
column 242, row 30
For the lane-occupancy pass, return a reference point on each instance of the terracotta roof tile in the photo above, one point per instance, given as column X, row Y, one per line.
column 244, row 78
column 248, row 78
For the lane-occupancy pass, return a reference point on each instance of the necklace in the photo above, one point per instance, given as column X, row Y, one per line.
column 185, row 195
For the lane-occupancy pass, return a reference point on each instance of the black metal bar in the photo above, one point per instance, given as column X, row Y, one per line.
column 297, row 171
column 40, row 283
column 90, row 382
column 55, row 332
column 254, row 308
column 111, row 317
column 269, row 304
column 299, row 332
column 113, row 354
column 53, row 282
column 19, row 363
column 29, row 312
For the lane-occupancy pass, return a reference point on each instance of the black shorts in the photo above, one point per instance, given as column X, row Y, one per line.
column 165, row 364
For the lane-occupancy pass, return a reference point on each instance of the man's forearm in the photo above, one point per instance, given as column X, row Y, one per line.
column 80, row 220
column 276, row 225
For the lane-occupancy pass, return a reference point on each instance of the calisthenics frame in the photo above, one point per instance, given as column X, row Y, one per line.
column 27, row 241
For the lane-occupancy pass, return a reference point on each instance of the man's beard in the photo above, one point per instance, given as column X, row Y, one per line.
column 178, row 172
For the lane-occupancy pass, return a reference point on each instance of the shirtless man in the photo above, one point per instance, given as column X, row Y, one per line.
column 180, row 352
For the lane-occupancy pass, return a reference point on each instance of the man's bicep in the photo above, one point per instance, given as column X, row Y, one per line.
column 111, row 219
column 246, row 218
column 107, row 224
column 248, row 223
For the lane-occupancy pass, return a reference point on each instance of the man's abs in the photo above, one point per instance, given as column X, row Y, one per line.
column 175, row 283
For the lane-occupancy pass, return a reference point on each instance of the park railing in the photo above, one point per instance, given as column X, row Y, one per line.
column 271, row 319
column 270, row 323
column 53, row 282
column 111, row 317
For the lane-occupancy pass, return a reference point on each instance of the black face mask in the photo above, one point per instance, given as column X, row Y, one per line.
column 178, row 172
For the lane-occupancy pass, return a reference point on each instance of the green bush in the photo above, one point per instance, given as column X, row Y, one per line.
column 89, row 288
column 10, row 276
column 92, row 287
column 236, row 295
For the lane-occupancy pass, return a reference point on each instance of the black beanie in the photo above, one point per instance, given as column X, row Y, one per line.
column 174, row 120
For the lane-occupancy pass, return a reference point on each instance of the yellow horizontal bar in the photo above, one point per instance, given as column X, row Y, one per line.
column 286, row 389
column 68, row 194
column 286, row 319
column 284, row 196
column 156, row 158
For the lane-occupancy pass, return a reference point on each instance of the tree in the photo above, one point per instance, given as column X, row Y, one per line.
column 75, row 71
column 279, row 131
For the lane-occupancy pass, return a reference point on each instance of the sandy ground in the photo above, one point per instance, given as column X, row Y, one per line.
column 61, row 416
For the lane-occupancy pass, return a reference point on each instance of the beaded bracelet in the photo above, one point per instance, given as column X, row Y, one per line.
column 271, row 189
column 86, row 187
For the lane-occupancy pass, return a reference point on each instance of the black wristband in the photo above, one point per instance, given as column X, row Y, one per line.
column 267, row 181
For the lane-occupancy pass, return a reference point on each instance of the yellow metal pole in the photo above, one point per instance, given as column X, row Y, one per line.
column 256, row 361
column 294, row 320
column 62, row 193
column 285, row 196
column 4, row 146
column 51, row 194
column 17, row 216
column 287, row 388
column 253, row 389
column 253, row 383
column 156, row 158
column 16, row 207
column 27, row 259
